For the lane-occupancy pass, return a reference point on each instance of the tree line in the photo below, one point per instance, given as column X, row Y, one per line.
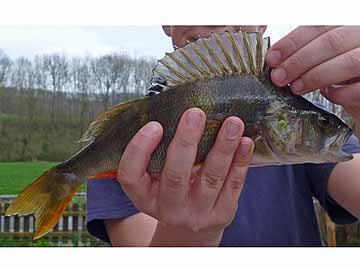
column 57, row 94
column 107, row 78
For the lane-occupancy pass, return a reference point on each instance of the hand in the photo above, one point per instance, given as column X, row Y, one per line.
column 190, row 209
column 321, row 57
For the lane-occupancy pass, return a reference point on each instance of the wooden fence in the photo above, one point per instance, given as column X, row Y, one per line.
column 70, row 231
column 333, row 235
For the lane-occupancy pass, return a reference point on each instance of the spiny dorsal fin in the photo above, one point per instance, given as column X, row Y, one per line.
column 105, row 120
column 219, row 55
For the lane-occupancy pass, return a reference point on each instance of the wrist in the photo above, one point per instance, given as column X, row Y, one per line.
column 167, row 235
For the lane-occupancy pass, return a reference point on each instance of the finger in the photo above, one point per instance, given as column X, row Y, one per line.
column 341, row 68
column 347, row 96
column 180, row 159
column 351, row 81
column 135, row 159
column 217, row 163
column 292, row 42
column 321, row 49
column 230, row 193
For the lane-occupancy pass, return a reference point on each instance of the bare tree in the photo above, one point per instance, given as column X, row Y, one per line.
column 5, row 66
column 82, row 82
column 57, row 69
column 106, row 76
column 142, row 74
column 23, row 77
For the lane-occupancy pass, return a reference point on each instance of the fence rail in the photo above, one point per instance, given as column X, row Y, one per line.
column 70, row 228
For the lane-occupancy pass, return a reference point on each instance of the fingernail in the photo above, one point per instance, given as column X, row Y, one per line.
column 274, row 58
column 150, row 129
column 245, row 148
column 297, row 86
column 193, row 118
column 279, row 74
column 232, row 129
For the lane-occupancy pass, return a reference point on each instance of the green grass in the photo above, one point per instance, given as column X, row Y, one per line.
column 14, row 176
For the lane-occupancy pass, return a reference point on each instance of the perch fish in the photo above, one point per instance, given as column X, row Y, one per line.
column 224, row 75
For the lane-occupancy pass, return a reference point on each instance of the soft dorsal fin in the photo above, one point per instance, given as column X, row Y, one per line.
column 105, row 120
column 220, row 54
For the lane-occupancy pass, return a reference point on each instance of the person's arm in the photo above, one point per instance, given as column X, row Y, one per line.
column 344, row 185
column 134, row 231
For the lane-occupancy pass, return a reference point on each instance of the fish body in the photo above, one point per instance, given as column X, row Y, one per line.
column 224, row 75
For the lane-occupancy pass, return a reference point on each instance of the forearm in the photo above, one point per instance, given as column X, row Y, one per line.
column 142, row 230
column 133, row 231
column 344, row 185
column 177, row 237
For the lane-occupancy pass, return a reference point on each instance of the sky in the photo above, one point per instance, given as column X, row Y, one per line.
column 146, row 41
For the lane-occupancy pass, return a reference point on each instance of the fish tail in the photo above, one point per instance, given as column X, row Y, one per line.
column 47, row 197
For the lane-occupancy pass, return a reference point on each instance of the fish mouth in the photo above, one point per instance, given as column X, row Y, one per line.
column 337, row 145
column 347, row 135
column 340, row 140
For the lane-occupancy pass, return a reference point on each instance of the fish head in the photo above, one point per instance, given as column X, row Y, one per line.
column 306, row 136
column 323, row 137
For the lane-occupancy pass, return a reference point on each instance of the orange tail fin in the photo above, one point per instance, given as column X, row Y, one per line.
column 47, row 198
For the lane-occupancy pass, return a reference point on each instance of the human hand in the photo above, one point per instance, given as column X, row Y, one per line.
column 321, row 57
column 192, row 210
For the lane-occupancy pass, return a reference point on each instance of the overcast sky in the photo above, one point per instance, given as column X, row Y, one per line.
column 147, row 41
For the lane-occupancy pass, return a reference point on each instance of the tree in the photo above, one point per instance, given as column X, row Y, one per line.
column 5, row 67
column 82, row 82
column 106, row 75
column 142, row 74
column 23, row 77
column 57, row 68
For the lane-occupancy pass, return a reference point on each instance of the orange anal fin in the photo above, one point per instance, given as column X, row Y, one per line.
column 105, row 174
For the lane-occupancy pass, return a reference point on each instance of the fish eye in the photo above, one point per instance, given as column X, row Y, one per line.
column 324, row 122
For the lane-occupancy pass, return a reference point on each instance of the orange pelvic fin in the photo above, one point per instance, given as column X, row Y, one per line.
column 105, row 174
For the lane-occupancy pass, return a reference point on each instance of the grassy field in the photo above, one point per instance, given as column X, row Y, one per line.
column 14, row 176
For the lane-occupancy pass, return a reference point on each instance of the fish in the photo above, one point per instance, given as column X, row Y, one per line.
column 224, row 75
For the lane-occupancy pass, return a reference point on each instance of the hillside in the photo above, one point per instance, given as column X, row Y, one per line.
column 26, row 137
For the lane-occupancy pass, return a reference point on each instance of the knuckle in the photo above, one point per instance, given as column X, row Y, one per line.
column 223, row 220
column 239, row 171
column 186, row 142
column 123, row 178
column 225, row 147
column 354, row 61
column 133, row 149
column 193, row 225
column 174, row 179
column 321, row 29
column 313, row 80
column 295, row 63
column 291, row 46
column 334, row 41
column 212, row 179
column 236, row 184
